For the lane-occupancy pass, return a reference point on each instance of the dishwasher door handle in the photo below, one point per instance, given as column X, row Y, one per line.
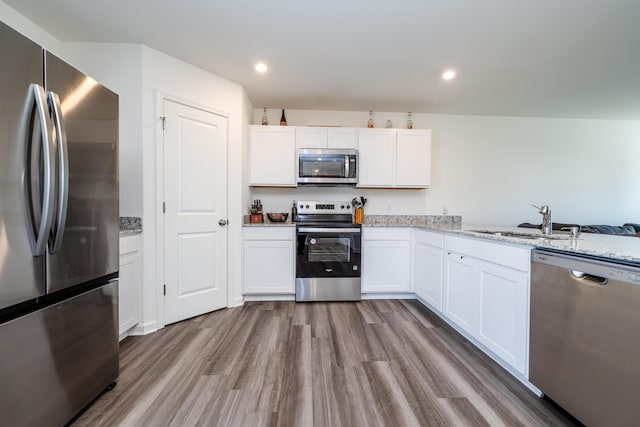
column 581, row 275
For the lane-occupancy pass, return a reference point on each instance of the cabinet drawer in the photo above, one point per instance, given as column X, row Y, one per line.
column 129, row 244
column 269, row 233
column 386, row 233
column 497, row 253
column 429, row 238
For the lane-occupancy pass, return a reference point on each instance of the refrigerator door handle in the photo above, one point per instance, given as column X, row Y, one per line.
column 57, row 231
column 38, row 234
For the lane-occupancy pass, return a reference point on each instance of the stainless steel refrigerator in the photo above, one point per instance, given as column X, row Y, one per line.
column 59, row 231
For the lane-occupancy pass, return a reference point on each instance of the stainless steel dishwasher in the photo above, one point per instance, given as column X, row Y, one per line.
column 585, row 337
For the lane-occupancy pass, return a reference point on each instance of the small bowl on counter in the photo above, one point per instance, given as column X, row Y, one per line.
column 277, row 216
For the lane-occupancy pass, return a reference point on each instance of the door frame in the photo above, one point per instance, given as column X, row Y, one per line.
column 161, row 97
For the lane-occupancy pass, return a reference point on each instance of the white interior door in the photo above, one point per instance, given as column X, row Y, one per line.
column 195, row 191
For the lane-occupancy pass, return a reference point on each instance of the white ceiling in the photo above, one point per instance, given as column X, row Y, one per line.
column 544, row 58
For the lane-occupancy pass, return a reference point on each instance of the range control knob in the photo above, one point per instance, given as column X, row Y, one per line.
column 348, row 207
column 342, row 207
column 301, row 206
column 307, row 206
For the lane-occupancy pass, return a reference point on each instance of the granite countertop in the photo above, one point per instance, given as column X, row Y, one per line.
column 616, row 247
column 431, row 221
column 130, row 225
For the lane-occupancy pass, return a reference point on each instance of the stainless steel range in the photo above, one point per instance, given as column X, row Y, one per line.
column 328, row 254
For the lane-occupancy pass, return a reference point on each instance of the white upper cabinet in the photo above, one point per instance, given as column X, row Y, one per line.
column 387, row 158
column 413, row 158
column 342, row 138
column 272, row 156
column 326, row 137
column 376, row 157
column 392, row 158
column 311, row 137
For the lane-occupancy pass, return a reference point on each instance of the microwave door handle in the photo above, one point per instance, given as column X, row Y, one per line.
column 346, row 166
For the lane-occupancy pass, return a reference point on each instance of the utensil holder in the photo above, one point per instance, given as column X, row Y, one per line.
column 358, row 215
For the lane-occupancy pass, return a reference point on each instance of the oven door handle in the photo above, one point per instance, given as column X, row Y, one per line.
column 328, row 230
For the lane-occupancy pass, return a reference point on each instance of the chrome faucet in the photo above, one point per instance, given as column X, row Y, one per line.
column 545, row 211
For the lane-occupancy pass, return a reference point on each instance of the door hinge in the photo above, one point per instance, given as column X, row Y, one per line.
column 164, row 207
column 164, row 290
column 164, row 119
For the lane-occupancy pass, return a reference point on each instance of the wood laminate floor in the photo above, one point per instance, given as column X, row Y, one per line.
column 369, row 363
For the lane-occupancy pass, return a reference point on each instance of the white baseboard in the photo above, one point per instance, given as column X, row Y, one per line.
column 237, row 301
column 143, row 329
column 270, row 297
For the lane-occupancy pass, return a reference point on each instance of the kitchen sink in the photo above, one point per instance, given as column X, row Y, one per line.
column 522, row 235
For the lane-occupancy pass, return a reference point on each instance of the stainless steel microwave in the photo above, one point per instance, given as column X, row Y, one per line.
column 321, row 166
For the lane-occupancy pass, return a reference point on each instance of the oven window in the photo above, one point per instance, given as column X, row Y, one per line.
column 321, row 166
column 329, row 249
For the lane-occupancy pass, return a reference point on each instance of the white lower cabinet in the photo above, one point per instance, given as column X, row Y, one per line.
column 269, row 260
column 461, row 291
column 386, row 265
column 486, row 294
column 503, row 317
column 129, row 283
column 428, row 260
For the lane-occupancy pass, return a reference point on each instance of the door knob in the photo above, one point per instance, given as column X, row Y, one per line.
column 222, row 222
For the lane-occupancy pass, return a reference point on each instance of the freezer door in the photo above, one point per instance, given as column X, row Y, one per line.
column 21, row 274
column 84, row 240
column 57, row 360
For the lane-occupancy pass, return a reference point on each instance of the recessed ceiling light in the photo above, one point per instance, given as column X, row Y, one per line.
column 448, row 75
column 261, row 67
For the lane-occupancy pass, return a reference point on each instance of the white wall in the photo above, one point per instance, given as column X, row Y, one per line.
column 26, row 27
column 163, row 74
column 119, row 67
column 491, row 169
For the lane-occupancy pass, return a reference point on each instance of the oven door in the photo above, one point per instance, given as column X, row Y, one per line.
column 328, row 252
